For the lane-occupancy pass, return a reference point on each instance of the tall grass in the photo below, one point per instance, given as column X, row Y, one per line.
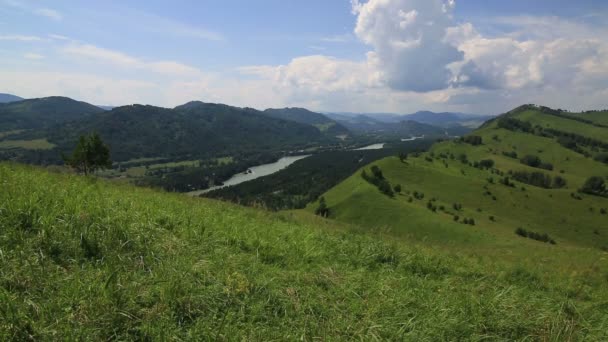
column 82, row 259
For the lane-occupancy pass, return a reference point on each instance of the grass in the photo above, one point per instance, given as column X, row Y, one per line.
column 5, row 134
column 36, row 144
column 84, row 259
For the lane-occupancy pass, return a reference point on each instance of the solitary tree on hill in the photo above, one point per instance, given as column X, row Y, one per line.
column 90, row 154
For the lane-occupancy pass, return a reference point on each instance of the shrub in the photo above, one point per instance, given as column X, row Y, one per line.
column 511, row 154
column 486, row 164
column 538, row 179
column 535, row 236
column 472, row 139
column 530, row 160
column 322, row 209
column 594, row 186
column 559, row 182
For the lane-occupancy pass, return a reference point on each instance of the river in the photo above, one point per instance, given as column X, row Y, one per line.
column 371, row 147
column 253, row 173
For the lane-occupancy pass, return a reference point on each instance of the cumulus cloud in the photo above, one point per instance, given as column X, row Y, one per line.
column 408, row 42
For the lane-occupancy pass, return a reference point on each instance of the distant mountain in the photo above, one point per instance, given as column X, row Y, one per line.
column 192, row 130
column 6, row 98
column 43, row 112
column 366, row 124
column 304, row 116
column 445, row 119
column 106, row 107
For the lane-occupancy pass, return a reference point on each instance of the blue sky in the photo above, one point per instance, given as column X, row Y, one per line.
column 374, row 56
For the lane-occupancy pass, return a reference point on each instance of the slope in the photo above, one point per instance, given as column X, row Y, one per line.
column 304, row 116
column 43, row 112
column 83, row 259
column 193, row 130
column 6, row 98
column 450, row 184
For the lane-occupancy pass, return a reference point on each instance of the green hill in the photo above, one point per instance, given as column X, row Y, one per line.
column 194, row 130
column 301, row 115
column 82, row 259
column 43, row 112
column 450, row 183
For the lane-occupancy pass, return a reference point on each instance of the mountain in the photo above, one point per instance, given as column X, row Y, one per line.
column 443, row 120
column 94, row 260
column 521, row 171
column 448, row 119
column 366, row 124
column 43, row 112
column 304, row 116
column 6, row 98
column 194, row 129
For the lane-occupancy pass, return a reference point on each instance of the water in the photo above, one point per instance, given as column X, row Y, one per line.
column 371, row 147
column 413, row 138
column 256, row 172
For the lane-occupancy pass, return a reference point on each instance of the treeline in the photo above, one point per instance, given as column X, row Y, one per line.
column 377, row 178
column 535, row 236
column 572, row 141
column 535, row 161
column 538, row 179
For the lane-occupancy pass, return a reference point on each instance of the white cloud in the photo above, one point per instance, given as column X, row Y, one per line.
column 58, row 37
column 21, row 38
column 41, row 11
column 49, row 13
column 33, row 56
column 408, row 43
column 339, row 38
column 97, row 54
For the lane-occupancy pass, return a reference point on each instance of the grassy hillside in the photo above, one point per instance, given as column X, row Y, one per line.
column 445, row 189
column 84, row 259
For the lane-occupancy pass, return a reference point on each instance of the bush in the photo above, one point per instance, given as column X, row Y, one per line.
column 538, row 179
column 559, row 182
column 602, row 158
column 535, row 236
column 472, row 139
column 322, row 209
column 486, row 164
column 378, row 180
column 397, row 188
column 530, row 160
column 595, row 186
column 511, row 154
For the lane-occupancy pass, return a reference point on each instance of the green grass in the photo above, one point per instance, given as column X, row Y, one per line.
column 84, row 259
column 36, row 144
column 572, row 222
column 325, row 126
column 5, row 134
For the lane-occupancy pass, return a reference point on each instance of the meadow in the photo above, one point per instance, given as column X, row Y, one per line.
column 83, row 258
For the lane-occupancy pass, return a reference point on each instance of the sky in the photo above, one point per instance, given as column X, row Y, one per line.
column 400, row 56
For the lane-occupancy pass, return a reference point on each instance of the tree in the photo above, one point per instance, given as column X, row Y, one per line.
column 397, row 188
column 89, row 155
column 322, row 209
column 595, row 186
column 402, row 156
